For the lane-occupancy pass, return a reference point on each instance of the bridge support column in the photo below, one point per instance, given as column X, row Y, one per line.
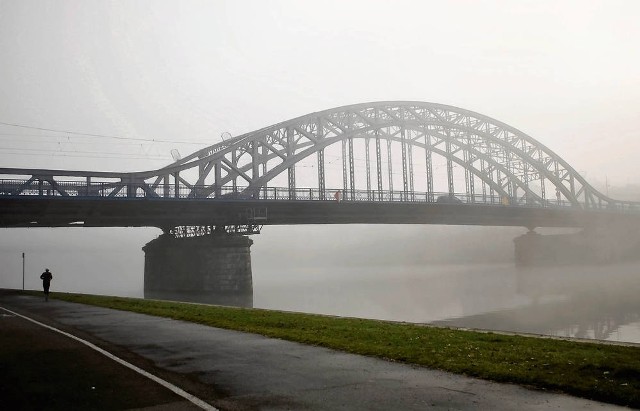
column 212, row 269
column 533, row 249
column 595, row 245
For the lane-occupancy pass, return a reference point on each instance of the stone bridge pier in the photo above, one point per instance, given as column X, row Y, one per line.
column 214, row 268
column 603, row 243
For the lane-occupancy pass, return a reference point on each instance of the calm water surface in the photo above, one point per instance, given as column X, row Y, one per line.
column 587, row 302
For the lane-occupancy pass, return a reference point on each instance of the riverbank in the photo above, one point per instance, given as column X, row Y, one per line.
column 603, row 372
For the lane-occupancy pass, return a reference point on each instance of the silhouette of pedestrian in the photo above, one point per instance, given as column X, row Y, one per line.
column 46, row 278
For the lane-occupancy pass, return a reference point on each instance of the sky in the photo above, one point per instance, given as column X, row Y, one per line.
column 115, row 86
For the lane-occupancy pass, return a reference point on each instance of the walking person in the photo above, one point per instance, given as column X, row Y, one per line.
column 46, row 278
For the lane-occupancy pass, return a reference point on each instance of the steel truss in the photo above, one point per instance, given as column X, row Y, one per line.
column 497, row 159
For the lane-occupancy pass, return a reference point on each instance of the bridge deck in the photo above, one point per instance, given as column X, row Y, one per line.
column 31, row 211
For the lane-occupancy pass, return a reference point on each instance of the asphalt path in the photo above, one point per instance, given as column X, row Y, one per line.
column 239, row 371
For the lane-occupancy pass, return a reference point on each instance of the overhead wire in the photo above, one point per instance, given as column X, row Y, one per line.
column 70, row 153
column 94, row 135
column 66, row 136
column 63, row 154
column 63, row 151
column 58, row 139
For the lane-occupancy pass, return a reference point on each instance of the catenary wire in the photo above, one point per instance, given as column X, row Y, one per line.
column 93, row 135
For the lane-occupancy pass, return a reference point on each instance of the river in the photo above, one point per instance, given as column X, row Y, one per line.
column 596, row 302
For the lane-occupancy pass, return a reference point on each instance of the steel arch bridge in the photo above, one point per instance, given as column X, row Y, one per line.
column 497, row 159
column 404, row 152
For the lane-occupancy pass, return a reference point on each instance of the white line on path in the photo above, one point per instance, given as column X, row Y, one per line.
column 195, row 400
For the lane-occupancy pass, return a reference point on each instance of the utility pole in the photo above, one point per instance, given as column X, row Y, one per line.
column 22, row 271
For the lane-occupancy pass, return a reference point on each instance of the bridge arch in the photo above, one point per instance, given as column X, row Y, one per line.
column 502, row 159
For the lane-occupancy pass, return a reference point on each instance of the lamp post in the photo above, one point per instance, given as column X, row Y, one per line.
column 22, row 271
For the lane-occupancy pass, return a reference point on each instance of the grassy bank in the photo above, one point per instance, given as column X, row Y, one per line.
column 601, row 372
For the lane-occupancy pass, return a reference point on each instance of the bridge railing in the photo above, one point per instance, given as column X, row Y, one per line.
column 54, row 188
column 121, row 190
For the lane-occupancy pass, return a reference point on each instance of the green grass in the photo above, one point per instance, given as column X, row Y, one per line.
column 603, row 372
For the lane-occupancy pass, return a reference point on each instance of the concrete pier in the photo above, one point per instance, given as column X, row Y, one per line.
column 594, row 245
column 534, row 249
column 213, row 269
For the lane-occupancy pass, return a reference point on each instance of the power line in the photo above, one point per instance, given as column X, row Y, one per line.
column 30, row 142
column 61, row 154
column 41, row 138
column 2, row 149
column 91, row 135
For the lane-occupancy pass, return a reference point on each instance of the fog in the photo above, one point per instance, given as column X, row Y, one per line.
column 115, row 86
column 111, row 261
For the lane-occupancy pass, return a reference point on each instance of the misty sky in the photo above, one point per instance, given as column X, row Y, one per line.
column 161, row 75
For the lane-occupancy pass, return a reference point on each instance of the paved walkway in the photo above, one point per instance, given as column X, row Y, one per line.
column 240, row 371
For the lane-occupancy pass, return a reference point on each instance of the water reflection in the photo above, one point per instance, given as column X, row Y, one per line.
column 585, row 302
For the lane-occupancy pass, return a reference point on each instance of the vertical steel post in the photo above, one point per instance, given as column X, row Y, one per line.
column 264, row 159
column 410, row 152
column 472, row 187
column 195, row 193
column 321, row 176
column 255, row 165
column 344, row 168
column 234, row 161
column 352, row 173
column 542, row 189
column 292, row 167
column 449, row 164
column 500, row 183
column 390, row 167
column 469, row 176
column 492, row 192
column 484, row 184
column 558, row 192
column 352, row 178
column 511, row 184
column 429, row 164
column 368, row 167
column 405, row 181
column 23, row 271
column 176, row 184
column 321, row 181
column 573, row 187
column 526, row 168
column 130, row 189
column 378, row 157
column 166, row 192
column 379, row 164
column 218, row 178
column 467, row 187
